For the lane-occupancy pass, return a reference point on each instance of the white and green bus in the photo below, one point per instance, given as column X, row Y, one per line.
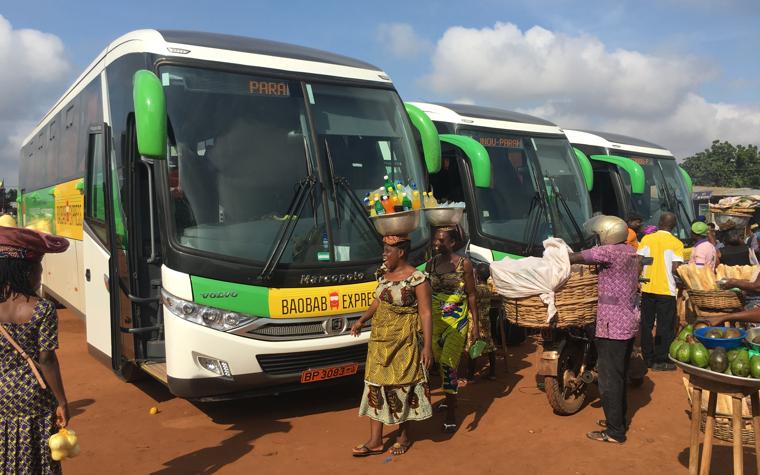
column 635, row 176
column 209, row 186
column 518, row 175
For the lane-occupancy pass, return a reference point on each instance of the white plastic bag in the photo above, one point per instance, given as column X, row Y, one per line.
column 542, row 276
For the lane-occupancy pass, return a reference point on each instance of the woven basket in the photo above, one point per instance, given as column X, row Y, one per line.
column 715, row 300
column 576, row 303
column 723, row 428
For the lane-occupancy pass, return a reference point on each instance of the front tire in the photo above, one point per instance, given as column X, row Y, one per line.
column 562, row 397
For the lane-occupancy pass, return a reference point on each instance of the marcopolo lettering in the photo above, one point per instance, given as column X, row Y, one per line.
column 219, row 295
column 313, row 279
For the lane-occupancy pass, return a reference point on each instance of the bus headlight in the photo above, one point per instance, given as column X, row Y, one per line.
column 210, row 317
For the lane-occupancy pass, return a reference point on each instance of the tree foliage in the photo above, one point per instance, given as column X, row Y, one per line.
column 724, row 164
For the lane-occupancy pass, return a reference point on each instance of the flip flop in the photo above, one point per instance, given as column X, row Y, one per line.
column 364, row 451
column 449, row 428
column 601, row 436
column 602, row 423
column 399, row 449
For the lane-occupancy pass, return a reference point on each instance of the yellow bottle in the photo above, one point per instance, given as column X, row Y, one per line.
column 433, row 201
column 416, row 200
column 372, row 210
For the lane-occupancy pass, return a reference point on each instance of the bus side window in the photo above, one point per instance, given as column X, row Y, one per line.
column 95, row 208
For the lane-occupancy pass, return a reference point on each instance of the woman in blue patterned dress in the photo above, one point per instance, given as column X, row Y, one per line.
column 29, row 414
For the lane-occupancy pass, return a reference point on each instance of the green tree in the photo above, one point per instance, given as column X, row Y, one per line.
column 724, row 164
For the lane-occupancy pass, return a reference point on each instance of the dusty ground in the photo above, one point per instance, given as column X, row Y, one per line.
column 508, row 427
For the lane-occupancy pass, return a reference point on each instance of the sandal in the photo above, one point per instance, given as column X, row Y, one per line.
column 602, row 423
column 449, row 428
column 399, row 449
column 442, row 407
column 602, row 436
column 364, row 451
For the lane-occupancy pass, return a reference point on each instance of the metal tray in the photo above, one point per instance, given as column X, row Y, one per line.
column 719, row 377
column 402, row 222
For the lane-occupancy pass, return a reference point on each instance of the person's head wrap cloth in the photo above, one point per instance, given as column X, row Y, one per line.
column 395, row 239
column 29, row 245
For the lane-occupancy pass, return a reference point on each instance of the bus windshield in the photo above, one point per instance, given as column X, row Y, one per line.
column 514, row 207
column 242, row 144
column 665, row 191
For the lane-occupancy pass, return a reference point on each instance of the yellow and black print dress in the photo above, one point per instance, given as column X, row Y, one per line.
column 27, row 412
column 395, row 386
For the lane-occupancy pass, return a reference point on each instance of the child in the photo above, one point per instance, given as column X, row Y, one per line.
column 484, row 294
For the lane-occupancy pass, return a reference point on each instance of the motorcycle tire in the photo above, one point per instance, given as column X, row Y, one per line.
column 555, row 393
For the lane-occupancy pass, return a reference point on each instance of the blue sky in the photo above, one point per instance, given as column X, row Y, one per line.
column 677, row 72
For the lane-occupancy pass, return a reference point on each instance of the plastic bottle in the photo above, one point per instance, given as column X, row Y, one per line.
column 378, row 208
column 433, row 201
column 426, row 200
column 325, row 241
column 387, row 183
column 387, row 205
column 416, row 200
column 406, row 202
column 373, row 208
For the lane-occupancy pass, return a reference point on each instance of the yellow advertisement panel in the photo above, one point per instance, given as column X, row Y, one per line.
column 69, row 209
column 320, row 301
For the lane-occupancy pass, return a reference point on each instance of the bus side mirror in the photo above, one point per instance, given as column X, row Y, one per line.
column 477, row 154
column 586, row 168
column 686, row 179
column 431, row 145
column 150, row 114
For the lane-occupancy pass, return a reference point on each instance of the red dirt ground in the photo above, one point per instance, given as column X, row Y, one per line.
column 507, row 427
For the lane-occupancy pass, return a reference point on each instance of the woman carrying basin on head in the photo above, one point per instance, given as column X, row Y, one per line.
column 453, row 281
column 395, row 389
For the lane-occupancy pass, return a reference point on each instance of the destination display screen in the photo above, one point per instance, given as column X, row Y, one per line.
column 499, row 141
column 643, row 161
column 268, row 88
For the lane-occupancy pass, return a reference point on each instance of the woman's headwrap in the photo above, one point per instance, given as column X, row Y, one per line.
column 29, row 245
column 395, row 239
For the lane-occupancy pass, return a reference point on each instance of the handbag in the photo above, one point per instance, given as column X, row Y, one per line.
column 32, row 364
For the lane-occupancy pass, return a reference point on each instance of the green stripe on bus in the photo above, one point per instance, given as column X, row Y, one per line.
column 498, row 255
column 249, row 299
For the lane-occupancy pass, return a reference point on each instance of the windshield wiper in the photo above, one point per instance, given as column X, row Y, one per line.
column 333, row 181
column 536, row 204
column 573, row 221
column 357, row 203
column 288, row 226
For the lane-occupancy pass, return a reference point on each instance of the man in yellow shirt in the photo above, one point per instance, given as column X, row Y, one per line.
column 658, row 297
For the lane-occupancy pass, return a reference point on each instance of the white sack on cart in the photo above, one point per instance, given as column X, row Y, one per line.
column 518, row 278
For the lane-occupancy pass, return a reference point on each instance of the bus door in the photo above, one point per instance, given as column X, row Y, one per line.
column 609, row 196
column 100, row 270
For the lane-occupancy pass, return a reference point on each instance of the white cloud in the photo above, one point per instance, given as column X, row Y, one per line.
column 578, row 82
column 402, row 41
column 34, row 69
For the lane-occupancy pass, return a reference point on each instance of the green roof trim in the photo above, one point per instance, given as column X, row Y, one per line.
column 431, row 146
column 476, row 153
column 634, row 170
column 498, row 256
column 687, row 179
column 586, row 168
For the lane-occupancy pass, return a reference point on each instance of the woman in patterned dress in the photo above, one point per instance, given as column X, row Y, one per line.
column 395, row 388
column 29, row 415
column 453, row 282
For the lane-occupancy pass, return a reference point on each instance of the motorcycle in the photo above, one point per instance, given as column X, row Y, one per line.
column 567, row 366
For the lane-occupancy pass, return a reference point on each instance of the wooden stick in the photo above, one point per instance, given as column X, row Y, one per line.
column 709, row 426
column 737, row 420
column 755, row 398
column 696, row 414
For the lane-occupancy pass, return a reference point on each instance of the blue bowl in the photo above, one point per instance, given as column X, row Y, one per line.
column 727, row 343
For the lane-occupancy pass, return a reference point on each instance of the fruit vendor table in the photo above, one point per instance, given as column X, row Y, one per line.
column 734, row 387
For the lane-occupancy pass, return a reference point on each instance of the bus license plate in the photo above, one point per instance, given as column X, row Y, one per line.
column 312, row 375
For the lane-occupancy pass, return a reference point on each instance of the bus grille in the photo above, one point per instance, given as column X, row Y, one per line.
column 285, row 363
column 280, row 329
